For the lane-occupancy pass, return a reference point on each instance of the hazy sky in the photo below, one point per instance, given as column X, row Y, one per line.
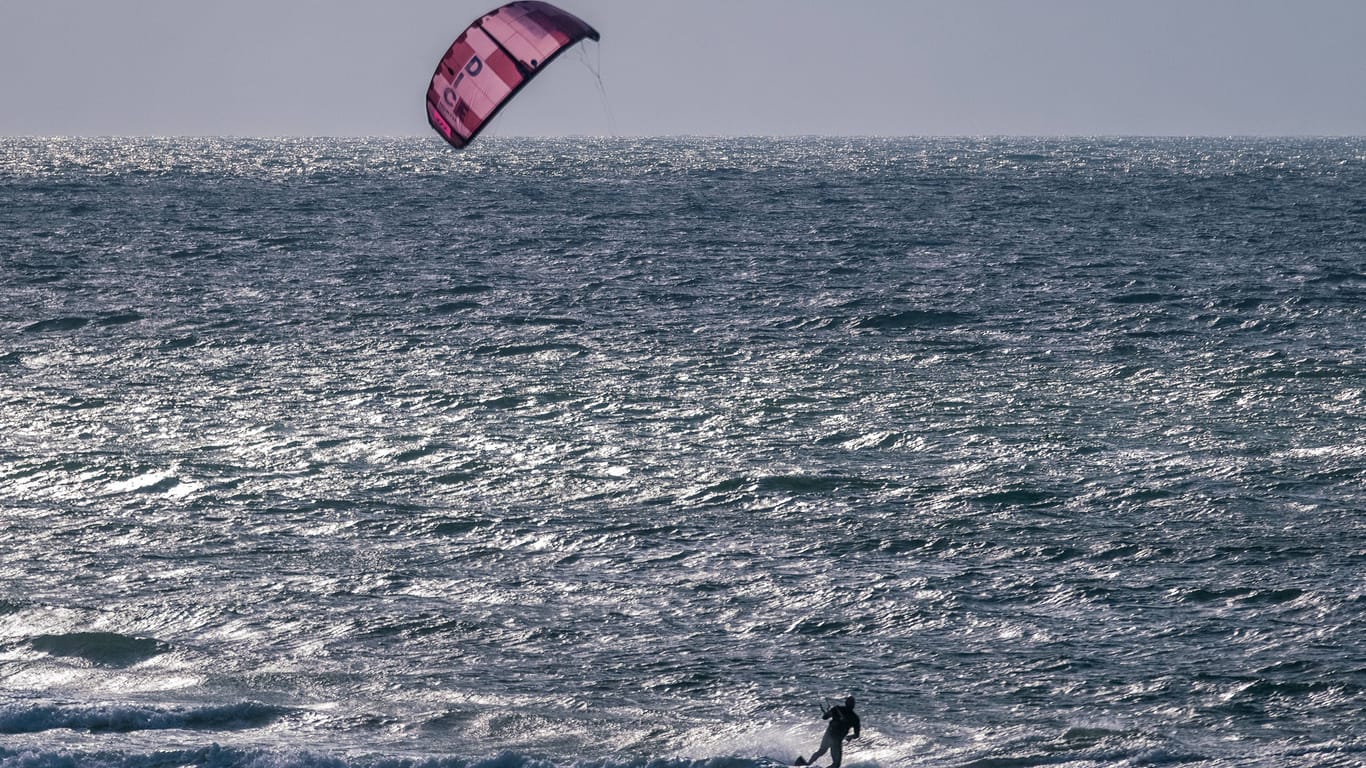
column 715, row 67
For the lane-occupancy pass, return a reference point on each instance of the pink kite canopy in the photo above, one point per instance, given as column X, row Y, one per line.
column 491, row 60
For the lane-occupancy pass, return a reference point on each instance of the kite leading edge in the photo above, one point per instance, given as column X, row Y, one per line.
column 493, row 59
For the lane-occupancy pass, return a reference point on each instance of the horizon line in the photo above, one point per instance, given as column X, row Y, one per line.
column 779, row 136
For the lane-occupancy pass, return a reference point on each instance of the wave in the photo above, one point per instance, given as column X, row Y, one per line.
column 57, row 325
column 104, row 648
column 744, row 489
column 114, row 718
column 516, row 350
column 1142, row 297
column 1242, row 596
column 215, row 756
column 121, row 318
column 452, row 307
column 912, row 319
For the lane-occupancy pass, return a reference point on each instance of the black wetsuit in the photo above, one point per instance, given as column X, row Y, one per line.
column 842, row 720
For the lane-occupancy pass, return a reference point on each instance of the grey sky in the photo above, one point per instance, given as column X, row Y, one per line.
column 715, row 67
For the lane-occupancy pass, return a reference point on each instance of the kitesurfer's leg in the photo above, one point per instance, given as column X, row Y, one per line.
column 825, row 745
column 836, row 753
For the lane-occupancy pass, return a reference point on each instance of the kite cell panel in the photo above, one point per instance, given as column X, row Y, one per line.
column 491, row 60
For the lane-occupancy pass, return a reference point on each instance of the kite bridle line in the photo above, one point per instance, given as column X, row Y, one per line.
column 596, row 69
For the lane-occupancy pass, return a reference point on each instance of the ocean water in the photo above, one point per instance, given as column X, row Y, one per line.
column 631, row 453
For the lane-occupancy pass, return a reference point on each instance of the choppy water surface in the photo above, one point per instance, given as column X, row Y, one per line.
column 611, row 452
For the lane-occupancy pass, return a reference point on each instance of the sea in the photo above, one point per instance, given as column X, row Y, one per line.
column 641, row 452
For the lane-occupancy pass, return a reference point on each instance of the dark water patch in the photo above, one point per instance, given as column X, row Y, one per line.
column 456, row 478
column 913, row 319
column 57, row 325
column 505, row 402
column 1243, row 596
column 817, row 484
column 789, row 484
column 519, row 350
column 1273, row 596
column 1241, row 304
column 103, row 648
column 424, row 625
column 1337, row 276
column 184, row 342
column 453, row 307
column 1262, row 690
column 115, row 718
column 122, row 318
column 44, row 278
column 683, row 682
column 1295, row 667
column 1016, row 497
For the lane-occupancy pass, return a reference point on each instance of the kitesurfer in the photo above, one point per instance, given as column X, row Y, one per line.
column 842, row 720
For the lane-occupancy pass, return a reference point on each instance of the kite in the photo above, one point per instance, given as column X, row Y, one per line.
column 492, row 59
